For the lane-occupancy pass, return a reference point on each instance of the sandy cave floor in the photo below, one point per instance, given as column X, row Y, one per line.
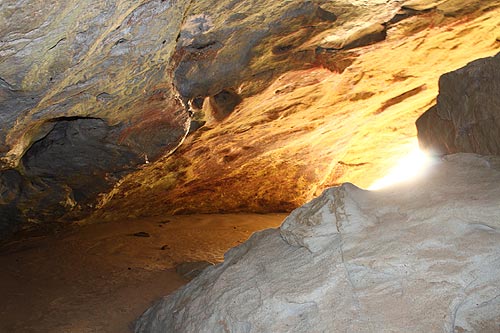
column 101, row 277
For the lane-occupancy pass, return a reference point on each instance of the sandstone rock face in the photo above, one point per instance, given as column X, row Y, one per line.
column 320, row 107
column 466, row 117
column 137, row 67
column 418, row 257
column 99, row 59
column 85, row 94
column 264, row 88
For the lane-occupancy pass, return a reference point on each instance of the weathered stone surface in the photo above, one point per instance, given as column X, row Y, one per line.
column 419, row 257
column 190, row 270
column 102, row 60
column 107, row 59
column 95, row 59
column 340, row 116
column 447, row 7
column 10, row 191
column 466, row 117
column 154, row 70
column 64, row 170
column 139, row 67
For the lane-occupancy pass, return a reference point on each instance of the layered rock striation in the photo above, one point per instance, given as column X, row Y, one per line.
column 270, row 93
column 344, row 110
column 418, row 257
column 85, row 96
column 139, row 70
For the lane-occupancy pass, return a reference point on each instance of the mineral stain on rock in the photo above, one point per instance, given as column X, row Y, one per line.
column 124, row 111
column 156, row 71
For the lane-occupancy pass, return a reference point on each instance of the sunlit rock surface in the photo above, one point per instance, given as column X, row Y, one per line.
column 140, row 69
column 466, row 117
column 419, row 257
column 346, row 115
column 298, row 94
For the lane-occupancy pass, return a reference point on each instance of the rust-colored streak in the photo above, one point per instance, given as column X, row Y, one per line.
column 400, row 98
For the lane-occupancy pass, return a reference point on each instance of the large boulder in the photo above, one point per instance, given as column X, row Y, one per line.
column 419, row 257
column 466, row 117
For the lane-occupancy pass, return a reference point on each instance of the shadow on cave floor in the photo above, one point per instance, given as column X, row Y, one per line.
column 100, row 277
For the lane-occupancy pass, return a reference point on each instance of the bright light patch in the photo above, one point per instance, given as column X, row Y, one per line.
column 408, row 167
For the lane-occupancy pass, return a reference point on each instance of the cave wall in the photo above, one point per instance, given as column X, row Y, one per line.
column 73, row 163
column 124, row 83
column 137, row 68
column 346, row 116
column 103, row 59
column 85, row 94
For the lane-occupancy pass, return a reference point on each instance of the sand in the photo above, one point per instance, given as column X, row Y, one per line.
column 101, row 277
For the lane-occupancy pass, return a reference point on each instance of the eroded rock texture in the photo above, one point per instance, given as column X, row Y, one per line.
column 466, row 117
column 284, row 92
column 319, row 109
column 421, row 257
column 71, row 165
column 85, row 94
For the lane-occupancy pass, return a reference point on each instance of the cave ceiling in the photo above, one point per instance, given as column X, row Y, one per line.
column 127, row 108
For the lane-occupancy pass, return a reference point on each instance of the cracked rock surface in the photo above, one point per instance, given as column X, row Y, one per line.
column 419, row 257
column 85, row 96
column 138, row 67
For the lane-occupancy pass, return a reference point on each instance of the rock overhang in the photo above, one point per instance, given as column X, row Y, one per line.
column 140, row 67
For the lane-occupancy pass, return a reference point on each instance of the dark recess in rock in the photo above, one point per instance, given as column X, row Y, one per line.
column 280, row 49
column 104, row 97
column 206, row 45
column 195, row 125
column 223, row 104
column 367, row 39
column 6, row 85
column 405, row 13
column 120, row 41
column 10, row 190
column 141, row 234
column 400, row 98
column 68, row 167
column 326, row 15
column 197, row 102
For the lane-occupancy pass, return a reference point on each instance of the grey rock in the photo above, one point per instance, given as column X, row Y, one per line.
column 190, row 270
column 66, row 169
column 466, row 117
column 419, row 257
column 10, row 192
column 81, row 87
